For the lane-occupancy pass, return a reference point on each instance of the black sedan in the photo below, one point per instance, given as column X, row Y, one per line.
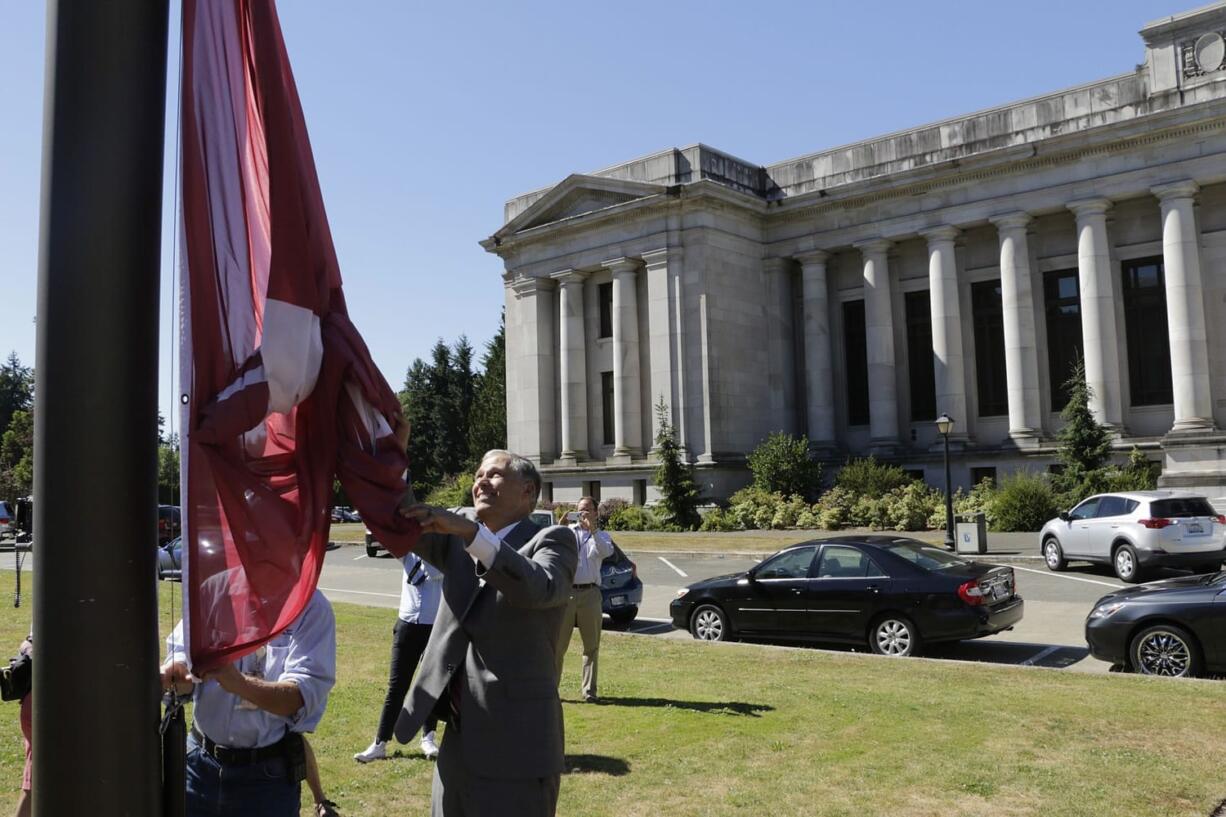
column 1175, row 627
column 895, row 594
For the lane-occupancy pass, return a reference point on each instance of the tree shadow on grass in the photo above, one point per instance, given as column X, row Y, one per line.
column 712, row 707
column 596, row 764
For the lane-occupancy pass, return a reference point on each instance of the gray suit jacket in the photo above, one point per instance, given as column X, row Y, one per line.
column 504, row 634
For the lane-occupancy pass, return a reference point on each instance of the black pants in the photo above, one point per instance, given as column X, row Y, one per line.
column 408, row 643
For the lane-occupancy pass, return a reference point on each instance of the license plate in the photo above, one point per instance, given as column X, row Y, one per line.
column 1195, row 527
column 1000, row 591
column 617, row 601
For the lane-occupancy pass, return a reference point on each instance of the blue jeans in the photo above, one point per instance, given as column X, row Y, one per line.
column 262, row 789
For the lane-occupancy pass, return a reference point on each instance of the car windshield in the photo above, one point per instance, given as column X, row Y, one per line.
column 924, row 556
column 1182, row 507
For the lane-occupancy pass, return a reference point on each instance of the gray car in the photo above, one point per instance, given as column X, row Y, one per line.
column 1135, row 531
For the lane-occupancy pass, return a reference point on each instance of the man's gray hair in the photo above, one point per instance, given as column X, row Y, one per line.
column 521, row 467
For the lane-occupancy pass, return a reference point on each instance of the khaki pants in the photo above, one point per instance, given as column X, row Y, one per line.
column 583, row 611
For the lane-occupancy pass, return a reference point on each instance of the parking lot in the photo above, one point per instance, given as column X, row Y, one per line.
column 1050, row 635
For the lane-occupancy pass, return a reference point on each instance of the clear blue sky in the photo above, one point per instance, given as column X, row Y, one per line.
column 426, row 117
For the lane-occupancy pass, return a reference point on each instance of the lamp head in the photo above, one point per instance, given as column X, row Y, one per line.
column 945, row 424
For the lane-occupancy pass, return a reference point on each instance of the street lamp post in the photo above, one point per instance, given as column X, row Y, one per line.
column 945, row 424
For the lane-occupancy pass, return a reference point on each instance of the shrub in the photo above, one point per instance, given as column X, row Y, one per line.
column 871, row 512
column 867, row 477
column 608, row 507
column 631, row 517
column 456, row 491
column 833, row 510
column 781, row 464
column 717, row 520
column 752, row 508
column 911, row 506
column 809, row 518
column 1139, row 474
column 788, row 511
column 1023, row 502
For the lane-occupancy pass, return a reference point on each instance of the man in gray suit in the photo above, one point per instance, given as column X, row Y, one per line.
column 489, row 667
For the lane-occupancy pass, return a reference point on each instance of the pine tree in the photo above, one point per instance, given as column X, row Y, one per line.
column 1085, row 444
column 16, row 389
column 675, row 478
column 487, row 425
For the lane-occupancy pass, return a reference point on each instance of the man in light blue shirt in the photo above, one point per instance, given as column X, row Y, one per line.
column 585, row 608
column 245, row 754
column 420, row 593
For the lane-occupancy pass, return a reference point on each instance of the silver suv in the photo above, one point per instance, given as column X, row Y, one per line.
column 1137, row 530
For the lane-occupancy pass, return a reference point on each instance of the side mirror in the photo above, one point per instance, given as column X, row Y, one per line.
column 752, row 573
column 1065, row 517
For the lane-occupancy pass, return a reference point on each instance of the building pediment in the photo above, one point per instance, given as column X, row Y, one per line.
column 575, row 196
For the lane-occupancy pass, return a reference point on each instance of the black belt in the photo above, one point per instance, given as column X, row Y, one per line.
column 229, row 756
column 585, row 586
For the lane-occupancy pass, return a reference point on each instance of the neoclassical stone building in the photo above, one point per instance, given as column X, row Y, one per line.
column 854, row 294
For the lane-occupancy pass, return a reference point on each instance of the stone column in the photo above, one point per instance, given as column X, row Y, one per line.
column 1100, row 337
column 949, row 368
column 663, row 343
column 1021, row 349
column 572, row 365
column 531, row 346
column 780, row 375
column 879, row 338
column 819, row 361
column 627, row 415
column 1185, row 308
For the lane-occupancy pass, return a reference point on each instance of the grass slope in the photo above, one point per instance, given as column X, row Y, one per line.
column 700, row 729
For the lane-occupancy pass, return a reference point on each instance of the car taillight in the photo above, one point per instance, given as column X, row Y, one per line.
column 971, row 593
column 634, row 571
column 1154, row 524
column 1221, row 519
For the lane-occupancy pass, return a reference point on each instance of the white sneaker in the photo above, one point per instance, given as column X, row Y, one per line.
column 428, row 747
column 376, row 751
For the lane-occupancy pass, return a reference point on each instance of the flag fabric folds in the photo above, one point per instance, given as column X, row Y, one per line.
column 278, row 390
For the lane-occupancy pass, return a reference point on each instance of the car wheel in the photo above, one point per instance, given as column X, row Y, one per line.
column 893, row 634
column 709, row 623
column 371, row 551
column 622, row 618
column 1127, row 568
column 1053, row 554
column 1165, row 649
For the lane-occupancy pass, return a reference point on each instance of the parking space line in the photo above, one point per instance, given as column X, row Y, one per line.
column 1034, row 659
column 363, row 556
column 360, row 592
column 680, row 572
column 1070, row 578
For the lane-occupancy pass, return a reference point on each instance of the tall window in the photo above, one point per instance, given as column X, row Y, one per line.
column 1062, row 304
column 604, row 294
column 606, row 403
column 919, row 357
column 856, row 346
column 1149, row 345
column 989, row 348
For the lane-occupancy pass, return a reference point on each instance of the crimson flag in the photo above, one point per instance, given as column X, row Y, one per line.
column 278, row 389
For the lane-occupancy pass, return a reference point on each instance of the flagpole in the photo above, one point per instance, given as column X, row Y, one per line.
column 96, row 747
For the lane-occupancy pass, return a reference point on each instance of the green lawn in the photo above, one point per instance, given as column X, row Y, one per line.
column 726, row 729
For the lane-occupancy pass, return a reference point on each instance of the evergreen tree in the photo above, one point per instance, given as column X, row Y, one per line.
column 675, row 478
column 487, row 424
column 1085, row 444
column 16, row 389
column 17, row 457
